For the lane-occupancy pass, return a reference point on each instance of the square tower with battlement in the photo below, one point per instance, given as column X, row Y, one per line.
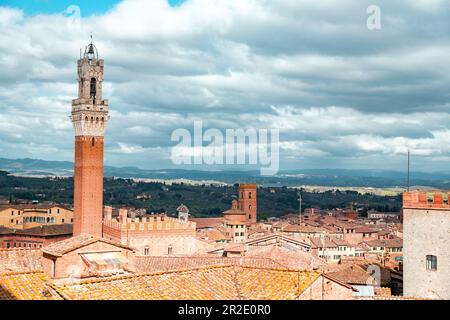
column 426, row 245
column 89, row 117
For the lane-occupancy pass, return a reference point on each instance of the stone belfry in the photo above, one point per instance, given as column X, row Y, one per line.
column 89, row 118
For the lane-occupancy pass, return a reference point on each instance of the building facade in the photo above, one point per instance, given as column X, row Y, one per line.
column 152, row 235
column 30, row 216
column 426, row 245
column 236, row 222
column 89, row 117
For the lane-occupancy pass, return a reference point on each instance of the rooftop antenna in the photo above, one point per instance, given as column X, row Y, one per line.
column 407, row 178
column 299, row 207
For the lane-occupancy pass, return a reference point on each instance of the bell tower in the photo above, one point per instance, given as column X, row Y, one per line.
column 89, row 118
column 247, row 201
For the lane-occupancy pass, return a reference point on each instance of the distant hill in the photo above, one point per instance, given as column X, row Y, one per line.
column 319, row 177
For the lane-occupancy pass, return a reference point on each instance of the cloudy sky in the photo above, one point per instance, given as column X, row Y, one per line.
column 342, row 96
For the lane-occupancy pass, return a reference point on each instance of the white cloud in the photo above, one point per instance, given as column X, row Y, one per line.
column 309, row 68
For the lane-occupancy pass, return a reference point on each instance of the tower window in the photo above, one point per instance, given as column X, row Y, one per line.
column 93, row 142
column 93, row 88
column 431, row 262
column 249, row 195
column 170, row 250
column 146, row 251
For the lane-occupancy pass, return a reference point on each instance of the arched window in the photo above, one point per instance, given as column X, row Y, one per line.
column 93, row 142
column 93, row 88
column 249, row 195
column 250, row 207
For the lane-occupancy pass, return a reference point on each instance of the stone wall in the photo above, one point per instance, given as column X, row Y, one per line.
column 154, row 236
column 426, row 231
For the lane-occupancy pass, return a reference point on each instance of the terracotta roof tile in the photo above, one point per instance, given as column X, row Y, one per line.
column 61, row 247
column 217, row 283
column 26, row 286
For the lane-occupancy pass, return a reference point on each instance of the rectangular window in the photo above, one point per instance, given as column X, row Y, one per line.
column 431, row 262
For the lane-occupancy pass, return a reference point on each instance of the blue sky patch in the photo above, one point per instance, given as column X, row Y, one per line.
column 87, row 7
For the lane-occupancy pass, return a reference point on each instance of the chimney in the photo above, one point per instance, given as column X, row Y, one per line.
column 123, row 214
column 108, row 213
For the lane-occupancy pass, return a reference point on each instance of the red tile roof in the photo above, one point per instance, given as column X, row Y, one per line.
column 62, row 247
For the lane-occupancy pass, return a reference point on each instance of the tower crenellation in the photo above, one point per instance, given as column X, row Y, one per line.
column 89, row 111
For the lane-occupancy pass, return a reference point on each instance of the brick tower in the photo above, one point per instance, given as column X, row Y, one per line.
column 247, row 201
column 89, row 118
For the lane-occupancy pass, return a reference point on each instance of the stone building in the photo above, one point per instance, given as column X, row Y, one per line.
column 236, row 222
column 36, row 237
column 151, row 235
column 24, row 216
column 426, row 244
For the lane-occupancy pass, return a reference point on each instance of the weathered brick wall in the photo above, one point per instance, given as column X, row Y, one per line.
column 326, row 289
column 88, row 186
column 155, row 233
column 20, row 260
column 71, row 265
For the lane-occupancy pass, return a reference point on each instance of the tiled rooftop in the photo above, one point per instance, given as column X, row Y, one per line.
column 218, row 283
column 61, row 247
column 153, row 264
column 26, row 286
